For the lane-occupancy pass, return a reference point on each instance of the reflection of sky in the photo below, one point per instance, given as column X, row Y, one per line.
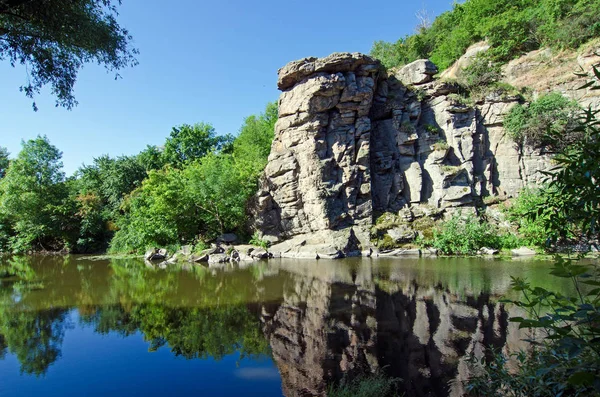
column 110, row 365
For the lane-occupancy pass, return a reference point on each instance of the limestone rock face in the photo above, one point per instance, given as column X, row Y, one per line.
column 318, row 174
column 417, row 72
column 353, row 140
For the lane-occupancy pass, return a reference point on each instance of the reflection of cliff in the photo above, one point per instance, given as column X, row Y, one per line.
column 351, row 323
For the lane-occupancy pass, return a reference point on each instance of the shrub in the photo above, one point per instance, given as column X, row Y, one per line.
column 549, row 121
column 459, row 99
column 465, row 235
column 258, row 241
column 376, row 385
column 510, row 27
column 480, row 73
column 567, row 361
column 432, row 129
column 533, row 230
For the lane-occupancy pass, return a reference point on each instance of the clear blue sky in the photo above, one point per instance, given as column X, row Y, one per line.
column 211, row 61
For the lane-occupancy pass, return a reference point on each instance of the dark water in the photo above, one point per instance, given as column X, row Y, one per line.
column 72, row 326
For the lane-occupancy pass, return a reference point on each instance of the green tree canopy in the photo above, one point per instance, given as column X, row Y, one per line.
column 54, row 38
column 191, row 142
column 33, row 196
column 4, row 161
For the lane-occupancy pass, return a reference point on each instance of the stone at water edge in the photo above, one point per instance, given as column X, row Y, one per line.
column 156, row 254
column 218, row 258
column 523, row 251
column 488, row 251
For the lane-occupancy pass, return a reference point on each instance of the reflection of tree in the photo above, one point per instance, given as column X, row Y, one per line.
column 33, row 337
column 190, row 332
column 17, row 266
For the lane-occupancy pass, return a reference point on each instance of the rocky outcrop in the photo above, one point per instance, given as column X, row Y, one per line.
column 353, row 140
column 318, row 174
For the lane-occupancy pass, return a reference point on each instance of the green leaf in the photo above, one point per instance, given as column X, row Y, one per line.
column 582, row 378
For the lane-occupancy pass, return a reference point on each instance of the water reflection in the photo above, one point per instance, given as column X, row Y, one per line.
column 319, row 321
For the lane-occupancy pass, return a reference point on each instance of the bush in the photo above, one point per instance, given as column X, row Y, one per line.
column 480, row 73
column 465, row 235
column 567, row 361
column 511, row 28
column 533, row 230
column 550, row 121
column 376, row 385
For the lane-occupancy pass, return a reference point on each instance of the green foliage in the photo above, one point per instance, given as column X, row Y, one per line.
column 567, row 360
column 156, row 214
column 34, row 201
column 191, row 142
column 510, row 27
column 432, row 129
column 194, row 189
column 219, row 189
column 460, row 99
column 99, row 191
column 54, row 39
column 481, row 72
column 572, row 202
column 465, row 235
column 373, row 385
column 549, row 121
column 4, row 161
column 533, row 231
column 258, row 241
column 201, row 198
column 441, row 145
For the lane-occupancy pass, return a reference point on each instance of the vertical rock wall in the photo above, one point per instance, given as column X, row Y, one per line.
column 318, row 175
column 353, row 140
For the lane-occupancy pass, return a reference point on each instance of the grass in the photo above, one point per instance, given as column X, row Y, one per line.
column 441, row 145
column 451, row 169
column 375, row 385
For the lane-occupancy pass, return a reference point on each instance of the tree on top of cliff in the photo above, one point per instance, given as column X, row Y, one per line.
column 511, row 27
column 54, row 38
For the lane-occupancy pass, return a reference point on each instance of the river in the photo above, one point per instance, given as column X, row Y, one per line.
column 73, row 325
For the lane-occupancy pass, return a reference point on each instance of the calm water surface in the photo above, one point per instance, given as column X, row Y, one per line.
column 73, row 326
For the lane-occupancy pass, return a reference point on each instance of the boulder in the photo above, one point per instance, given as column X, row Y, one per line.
column 156, row 254
column 204, row 254
column 401, row 252
column 245, row 249
column 218, row 258
column 259, row 254
column 418, row 72
column 402, row 234
column 429, row 251
column 488, row 251
column 523, row 251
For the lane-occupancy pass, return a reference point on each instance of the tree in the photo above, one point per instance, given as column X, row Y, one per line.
column 34, row 197
column 190, row 142
column 54, row 38
column 159, row 213
column 4, row 161
column 252, row 146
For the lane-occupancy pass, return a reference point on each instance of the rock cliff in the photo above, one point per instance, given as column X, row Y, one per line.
column 353, row 140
